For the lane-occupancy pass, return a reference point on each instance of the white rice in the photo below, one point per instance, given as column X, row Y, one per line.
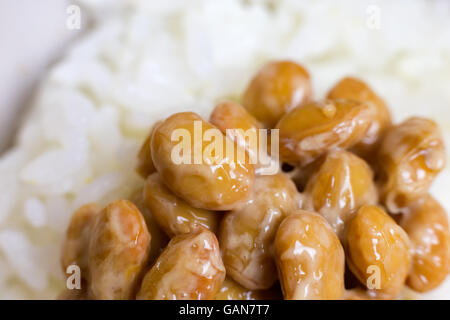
column 147, row 59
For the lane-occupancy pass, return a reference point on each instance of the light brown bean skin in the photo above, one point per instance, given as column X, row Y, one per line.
column 310, row 259
column 217, row 183
column 145, row 166
column 118, row 251
column 229, row 116
column 277, row 88
column 301, row 175
column 75, row 294
column 246, row 235
column 159, row 238
column 312, row 129
column 172, row 213
column 364, row 294
column 374, row 239
column 355, row 89
column 190, row 268
column 361, row 293
column 78, row 233
column 343, row 183
column 411, row 155
column 231, row 290
column 426, row 223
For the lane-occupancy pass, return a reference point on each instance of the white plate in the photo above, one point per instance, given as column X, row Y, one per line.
column 32, row 35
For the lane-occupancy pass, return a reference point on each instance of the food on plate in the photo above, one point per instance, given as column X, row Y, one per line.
column 231, row 290
column 276, row 89
column 356, row 89
column 191, row 156
column 239, row 233
column 159, row 239
column 190, row 268
column 378, row 251
column 410, row 156
column 312, row 129
column 77, row 238
column 117, row 252
column 173, row 214
column 310, row 259
column 426, row 223
column 342, row 184
column 241, row 127
column 247, row 234
column 145, row 166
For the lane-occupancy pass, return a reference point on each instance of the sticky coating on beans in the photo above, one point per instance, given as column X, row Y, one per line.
column 213, row 181
column 347, row 216
column 190, row 268
column 246, row 235
column 276, row 89
column 240, row 126
column 231, row 290
column 426, row 223
column 310, row 259
column 172, row 213
column 355, row 89
column 145, row 166
column 78, row 234
column 312, row 129
column 378, row 251
column 118, row 251
column 411, row 154
column 342, row 184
